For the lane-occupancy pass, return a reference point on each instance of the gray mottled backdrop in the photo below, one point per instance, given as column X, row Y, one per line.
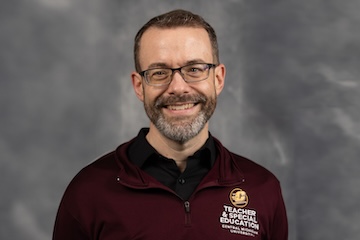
column 291, row 102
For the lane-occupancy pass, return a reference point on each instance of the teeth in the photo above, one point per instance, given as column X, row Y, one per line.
column 181, row 107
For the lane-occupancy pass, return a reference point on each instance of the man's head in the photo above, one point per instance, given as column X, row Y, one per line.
column 178, row 102
column 173, row 19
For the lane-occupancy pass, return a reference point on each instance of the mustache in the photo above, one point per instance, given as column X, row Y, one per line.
column 162, row 101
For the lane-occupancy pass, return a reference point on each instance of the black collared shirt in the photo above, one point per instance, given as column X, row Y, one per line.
column 165, row 170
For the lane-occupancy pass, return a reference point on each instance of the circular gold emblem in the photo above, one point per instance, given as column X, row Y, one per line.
column 238, row 198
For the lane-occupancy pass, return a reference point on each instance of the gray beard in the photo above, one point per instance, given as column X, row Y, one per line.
column 181, row 130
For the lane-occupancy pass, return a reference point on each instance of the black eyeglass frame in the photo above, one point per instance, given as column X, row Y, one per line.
column 143, row 73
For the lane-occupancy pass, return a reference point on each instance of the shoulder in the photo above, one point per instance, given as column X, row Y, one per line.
column 252, row 171
column 103, row 165
column 93, row 177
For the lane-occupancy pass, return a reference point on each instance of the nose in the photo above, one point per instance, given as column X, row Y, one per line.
column 178, row 84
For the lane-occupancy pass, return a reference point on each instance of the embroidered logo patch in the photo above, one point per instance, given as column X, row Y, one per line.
column 236, row 218
column 239, row 198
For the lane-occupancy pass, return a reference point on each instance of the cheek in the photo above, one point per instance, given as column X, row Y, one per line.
column 208, row 89
column 150, row 95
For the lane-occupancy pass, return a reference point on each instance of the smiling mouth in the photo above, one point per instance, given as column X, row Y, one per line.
column 180, row 103
column 180, row 106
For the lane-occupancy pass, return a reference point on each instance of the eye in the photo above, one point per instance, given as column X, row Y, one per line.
column 195, row 69
column 158, row 72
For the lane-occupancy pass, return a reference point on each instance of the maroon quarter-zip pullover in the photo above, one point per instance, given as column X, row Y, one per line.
column 113, row 199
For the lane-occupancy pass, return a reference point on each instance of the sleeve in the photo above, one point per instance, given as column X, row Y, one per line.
column 67, row 227
column 279, row 229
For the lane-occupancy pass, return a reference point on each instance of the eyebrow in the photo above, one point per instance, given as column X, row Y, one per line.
column 164, row 65
column 198, row 60
column 158, row 65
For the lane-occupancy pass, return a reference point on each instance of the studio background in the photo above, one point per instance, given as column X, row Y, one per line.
column 291, row 101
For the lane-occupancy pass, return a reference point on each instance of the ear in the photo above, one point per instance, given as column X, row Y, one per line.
column 220, row 72
column 138, row 85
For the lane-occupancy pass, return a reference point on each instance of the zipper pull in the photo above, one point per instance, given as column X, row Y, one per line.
column 187, row 206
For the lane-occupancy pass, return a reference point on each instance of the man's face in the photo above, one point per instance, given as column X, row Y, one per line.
column 179, row 110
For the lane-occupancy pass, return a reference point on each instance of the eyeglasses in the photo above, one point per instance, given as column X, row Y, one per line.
column 190, row 73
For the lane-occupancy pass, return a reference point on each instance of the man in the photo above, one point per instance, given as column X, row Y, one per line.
column 174, row 180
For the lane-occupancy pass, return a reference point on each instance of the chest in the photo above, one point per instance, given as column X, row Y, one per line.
column 212, row 213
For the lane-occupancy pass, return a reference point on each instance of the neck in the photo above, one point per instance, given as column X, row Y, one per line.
column 179, row 152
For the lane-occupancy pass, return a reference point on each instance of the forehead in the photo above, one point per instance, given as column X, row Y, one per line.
column 174, row 46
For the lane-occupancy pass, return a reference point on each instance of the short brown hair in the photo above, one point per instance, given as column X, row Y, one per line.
column 176, row 18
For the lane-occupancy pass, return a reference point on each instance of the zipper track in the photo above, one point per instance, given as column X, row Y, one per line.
column 187, row 213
